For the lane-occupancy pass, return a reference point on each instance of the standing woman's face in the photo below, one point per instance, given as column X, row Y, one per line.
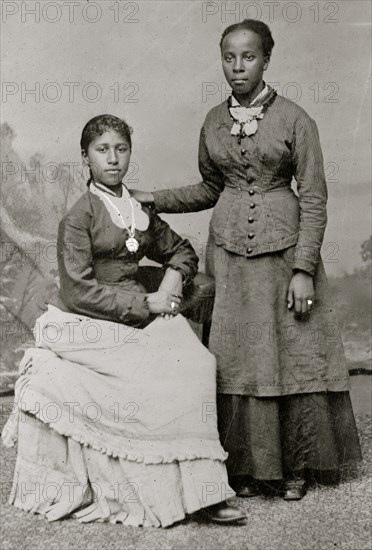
column 108, row 158
column 243, row 62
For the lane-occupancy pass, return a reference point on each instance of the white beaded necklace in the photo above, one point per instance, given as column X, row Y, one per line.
column 131, row 243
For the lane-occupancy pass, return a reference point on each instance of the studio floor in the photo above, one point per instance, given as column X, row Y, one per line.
column 327, row 518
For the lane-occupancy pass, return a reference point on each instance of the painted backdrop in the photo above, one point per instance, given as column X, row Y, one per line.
column 156, row 63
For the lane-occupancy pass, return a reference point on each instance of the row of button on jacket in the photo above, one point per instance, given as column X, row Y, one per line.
column 249, row 184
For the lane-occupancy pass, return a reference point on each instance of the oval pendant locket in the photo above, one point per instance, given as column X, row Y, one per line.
column 132, row 244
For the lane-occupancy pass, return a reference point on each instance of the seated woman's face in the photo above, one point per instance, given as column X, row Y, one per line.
column 108, row 158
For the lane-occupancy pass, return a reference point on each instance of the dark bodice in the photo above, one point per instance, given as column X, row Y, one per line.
column 98, row 274
column 249, row 184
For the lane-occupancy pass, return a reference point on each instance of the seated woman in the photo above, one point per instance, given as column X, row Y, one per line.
column 116, row 408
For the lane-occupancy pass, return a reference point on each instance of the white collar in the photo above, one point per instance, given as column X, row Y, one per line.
column 106, row 189
column 125, row 204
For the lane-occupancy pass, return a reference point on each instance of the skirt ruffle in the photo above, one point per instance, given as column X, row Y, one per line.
column 57, row 476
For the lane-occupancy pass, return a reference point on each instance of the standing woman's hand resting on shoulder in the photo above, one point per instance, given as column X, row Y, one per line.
column 144, row 197
column 301, row 292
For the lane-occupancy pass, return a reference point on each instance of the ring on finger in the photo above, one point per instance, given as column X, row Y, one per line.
column 309, row 302
column 174, row 307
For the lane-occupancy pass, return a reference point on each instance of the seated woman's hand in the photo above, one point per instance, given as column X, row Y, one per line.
column 172, row 282
column 163, row 302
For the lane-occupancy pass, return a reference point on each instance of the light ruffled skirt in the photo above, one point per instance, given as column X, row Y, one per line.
column 115, row 423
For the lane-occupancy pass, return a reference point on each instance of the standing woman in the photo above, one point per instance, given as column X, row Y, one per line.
column 283, row 401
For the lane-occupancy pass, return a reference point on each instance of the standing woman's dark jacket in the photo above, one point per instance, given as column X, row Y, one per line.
column 250, row 183
column 257, row 215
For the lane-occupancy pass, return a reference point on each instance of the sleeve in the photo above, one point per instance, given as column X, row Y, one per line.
column 193, row 198
column 170, row 250
column 312, row 191
column 79, row 289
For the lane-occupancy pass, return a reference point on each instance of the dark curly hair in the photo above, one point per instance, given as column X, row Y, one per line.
column 101, row 124
column 256, row 26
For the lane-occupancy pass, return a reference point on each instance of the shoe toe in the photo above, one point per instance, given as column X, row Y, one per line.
column 294, row 490
column 247, row 491
column 227, row 514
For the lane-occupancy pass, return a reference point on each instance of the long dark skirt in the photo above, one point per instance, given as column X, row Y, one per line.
column 275, row 437
column 263, row 349
column 283, row 400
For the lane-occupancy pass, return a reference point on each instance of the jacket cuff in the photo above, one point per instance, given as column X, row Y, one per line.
column 187, row 275
column 304, row 265
column 302, row 270
column 306, row 258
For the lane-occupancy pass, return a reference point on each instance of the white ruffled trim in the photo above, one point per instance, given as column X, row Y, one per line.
column 136, row 450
